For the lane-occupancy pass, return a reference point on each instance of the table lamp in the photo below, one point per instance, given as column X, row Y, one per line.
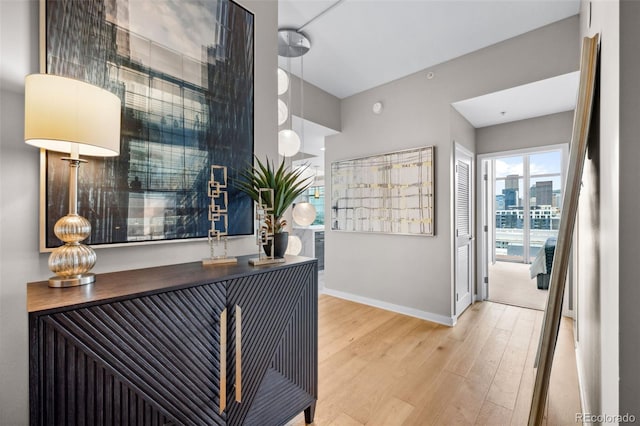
column 70, row 116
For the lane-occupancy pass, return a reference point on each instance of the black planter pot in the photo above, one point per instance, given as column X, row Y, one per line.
column 280, row 242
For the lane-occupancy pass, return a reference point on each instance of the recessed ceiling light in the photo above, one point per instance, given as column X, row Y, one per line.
column 322, row 149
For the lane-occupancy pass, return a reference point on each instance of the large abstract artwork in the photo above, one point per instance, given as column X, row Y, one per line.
column 183, row 70
column 388, row 193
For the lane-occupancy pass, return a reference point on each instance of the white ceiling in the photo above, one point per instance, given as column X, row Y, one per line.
column 361, row 44
column 550, row 96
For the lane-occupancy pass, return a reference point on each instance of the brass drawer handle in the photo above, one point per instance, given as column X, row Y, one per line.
column 223, row 360
column 238, row 354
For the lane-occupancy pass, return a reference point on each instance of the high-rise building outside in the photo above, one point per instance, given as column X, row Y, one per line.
column 512, row 182
column 510, row 197
column 544, row 193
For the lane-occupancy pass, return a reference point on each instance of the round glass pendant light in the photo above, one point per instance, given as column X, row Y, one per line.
column 304, row 214
column 288, row 143
column 283, row 81
column 295, row 245
column 283, row 112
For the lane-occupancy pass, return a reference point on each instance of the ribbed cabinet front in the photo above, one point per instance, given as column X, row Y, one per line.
column 155, row 359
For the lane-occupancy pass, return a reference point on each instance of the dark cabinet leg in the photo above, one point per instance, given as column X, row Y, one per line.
column 309, row 413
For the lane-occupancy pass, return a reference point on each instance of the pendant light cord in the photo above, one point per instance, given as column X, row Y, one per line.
column 302, row 100
column 336, row 4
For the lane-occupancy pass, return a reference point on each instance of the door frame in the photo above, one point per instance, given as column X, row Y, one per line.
column 484, row 239
column 472, row 228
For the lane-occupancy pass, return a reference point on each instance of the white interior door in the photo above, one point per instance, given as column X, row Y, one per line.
column 487, row 230
column 463, row 234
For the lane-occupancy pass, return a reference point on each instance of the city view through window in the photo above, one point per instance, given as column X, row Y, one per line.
column 528, row 201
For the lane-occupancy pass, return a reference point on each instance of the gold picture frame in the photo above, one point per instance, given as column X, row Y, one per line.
column 185, row 77
column 577, row 153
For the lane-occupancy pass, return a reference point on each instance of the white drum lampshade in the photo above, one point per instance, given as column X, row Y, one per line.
column 295, row 245
column 304, row 214
column 62, row 114
column 288, row 143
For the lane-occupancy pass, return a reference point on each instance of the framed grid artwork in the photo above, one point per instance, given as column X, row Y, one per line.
column 390, row 193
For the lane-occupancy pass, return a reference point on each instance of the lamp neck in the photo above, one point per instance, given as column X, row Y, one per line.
column 75, row 151
column 74, row 166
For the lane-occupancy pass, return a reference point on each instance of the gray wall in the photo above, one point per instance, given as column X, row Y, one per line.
column 319, row 106
column 462, row 132
column 599, row 240
column 534, row 132
column 415, row 272
column 20, row 261
column 629, row 296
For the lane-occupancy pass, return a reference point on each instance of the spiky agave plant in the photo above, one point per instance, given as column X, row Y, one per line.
column 287, row 184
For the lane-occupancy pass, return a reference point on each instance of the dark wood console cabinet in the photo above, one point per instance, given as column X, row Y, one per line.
column 147, row 346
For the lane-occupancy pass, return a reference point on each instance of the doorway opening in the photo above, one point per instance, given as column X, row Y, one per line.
column 521, row 202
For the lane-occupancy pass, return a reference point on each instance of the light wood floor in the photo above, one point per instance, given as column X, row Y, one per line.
column 511, row 283
column 381, row 368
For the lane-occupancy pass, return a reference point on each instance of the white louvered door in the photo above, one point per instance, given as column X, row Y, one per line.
column 463, row 232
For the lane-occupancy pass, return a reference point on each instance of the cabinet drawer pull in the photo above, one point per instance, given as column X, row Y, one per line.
column 223, row 360
column 238, row 354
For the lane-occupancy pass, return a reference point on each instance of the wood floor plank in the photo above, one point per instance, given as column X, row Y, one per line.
column 412, row 342
column 348, row 315
column 393, row 412
column 493, row 415
column 338, row 370
column 370, row 383
column 525, row 391
column 381, row 368
column 487, row 362
column 508, row 318
column 464, row 407
column 462, row 361
column 416, row 387
column 420, row 345
column 468, row 321
column 505, row 385
column 433, row 404
column 563, row 377
column 376, row 343
column 345, row 420
column 343, row 336
column 432, row 399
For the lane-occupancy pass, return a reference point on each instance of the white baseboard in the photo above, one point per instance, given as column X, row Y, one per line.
column 581, row 373
column 412, row 312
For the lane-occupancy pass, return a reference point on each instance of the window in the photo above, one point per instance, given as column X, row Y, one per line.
column 527, row 205
column 317, row 202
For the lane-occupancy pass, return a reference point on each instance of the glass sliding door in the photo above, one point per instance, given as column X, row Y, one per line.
column 509, row 208
column 545, row 195
column 528, row 200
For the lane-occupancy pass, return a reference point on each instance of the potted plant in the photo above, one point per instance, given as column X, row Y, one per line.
column 287, row 184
